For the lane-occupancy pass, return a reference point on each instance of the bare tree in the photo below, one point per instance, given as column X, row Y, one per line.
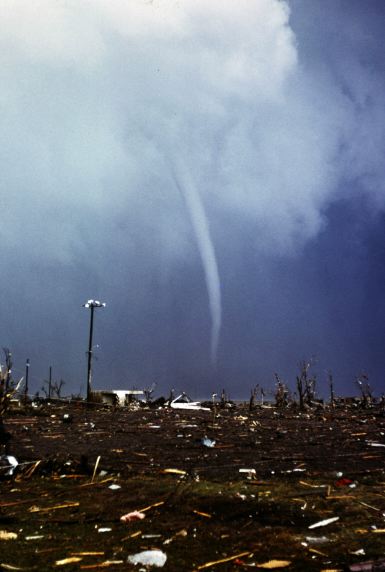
column 281, row 393
column 362, row 381
column 6, row 383
column 8, row 366
column 57, row 387
column 306, row 384
column 148, row 392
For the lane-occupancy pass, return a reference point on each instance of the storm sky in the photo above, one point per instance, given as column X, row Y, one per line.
column 213, row 171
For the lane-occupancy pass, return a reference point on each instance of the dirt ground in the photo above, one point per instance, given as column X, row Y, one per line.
column 248, row 501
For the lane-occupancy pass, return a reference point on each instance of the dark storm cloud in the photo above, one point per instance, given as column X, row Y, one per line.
column 181, row 161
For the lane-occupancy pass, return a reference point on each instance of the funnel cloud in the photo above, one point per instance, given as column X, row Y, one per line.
column 207, row 252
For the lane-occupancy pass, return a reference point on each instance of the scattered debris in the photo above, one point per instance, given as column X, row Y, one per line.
column 183, row 401
column 5, row 535
column 155, row 505
column 105, row 564
column 251, row 473
column 324, row 522
column 156, row 466
column 131, row 516
column 317, row 539
column 182, row 534
column 359, row 552
column 65, row 561
column 56, row 507
column 343, row 482
column 95, row 468
column 206, row 442
column 5, row 566
column 8, row 464
column 173, row 472
column 273, row 564
column 369, row 566
column 105, row 529
column 223, row 560
column 204, row 514
column 149, row 558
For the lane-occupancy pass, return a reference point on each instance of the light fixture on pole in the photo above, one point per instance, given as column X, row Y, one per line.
column 91, row 304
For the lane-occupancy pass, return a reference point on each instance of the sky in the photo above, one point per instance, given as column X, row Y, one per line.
column 213, row 171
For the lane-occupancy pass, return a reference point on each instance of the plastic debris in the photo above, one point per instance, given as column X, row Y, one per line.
column 8, row 464
column 132, row 516
column 5, row 535
column 149, row 558
column 206, row 442
column 324, row 522
column 114, row 487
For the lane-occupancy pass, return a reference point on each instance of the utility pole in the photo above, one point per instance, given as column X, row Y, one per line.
column 50, row 382
column 91, row 304
column 26, row 380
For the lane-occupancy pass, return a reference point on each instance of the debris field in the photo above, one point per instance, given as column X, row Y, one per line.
column 228, row 489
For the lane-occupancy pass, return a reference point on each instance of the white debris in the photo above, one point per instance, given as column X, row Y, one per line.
column 208, row 442
column 9, row 464
column 317, row 539
column 114, row 487
column 248, row 471
column 324, row 522
column 104, row 529
column 5, row 535
column 149, row 558
column 359, row 552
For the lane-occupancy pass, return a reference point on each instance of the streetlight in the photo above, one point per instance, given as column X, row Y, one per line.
column 92, row 304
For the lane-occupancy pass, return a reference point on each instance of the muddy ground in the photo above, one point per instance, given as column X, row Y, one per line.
column 246, row 502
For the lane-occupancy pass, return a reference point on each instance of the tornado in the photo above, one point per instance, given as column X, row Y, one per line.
column 206, row 249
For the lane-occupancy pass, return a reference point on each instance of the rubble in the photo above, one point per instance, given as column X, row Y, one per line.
column 155, row 558
column 255, row 504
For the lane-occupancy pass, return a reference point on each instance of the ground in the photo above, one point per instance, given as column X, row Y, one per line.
column 248, row 501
